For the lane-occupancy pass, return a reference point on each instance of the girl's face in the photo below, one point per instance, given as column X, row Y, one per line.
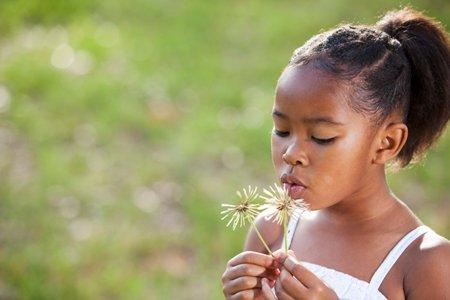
column 318, row 138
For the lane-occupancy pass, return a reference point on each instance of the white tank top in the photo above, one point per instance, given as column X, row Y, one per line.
column 348, row 287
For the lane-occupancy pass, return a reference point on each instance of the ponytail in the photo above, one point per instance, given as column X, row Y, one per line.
column 426, row 45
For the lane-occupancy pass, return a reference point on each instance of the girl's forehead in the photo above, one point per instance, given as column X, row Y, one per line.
column 309, row 91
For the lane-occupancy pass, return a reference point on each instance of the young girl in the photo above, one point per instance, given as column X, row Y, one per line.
column 351, row 100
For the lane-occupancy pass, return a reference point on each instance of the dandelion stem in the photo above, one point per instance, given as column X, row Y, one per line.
column 261, row 238
column 285, row 234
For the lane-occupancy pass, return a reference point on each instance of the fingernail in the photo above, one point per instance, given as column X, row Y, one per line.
column 283, row 258
column 276, row 263
column 290, row 262
column 280, row 260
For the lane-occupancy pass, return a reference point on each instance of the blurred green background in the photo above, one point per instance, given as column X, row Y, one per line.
column 125, row 124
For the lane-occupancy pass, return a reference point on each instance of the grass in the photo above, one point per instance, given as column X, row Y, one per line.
column 113, row 169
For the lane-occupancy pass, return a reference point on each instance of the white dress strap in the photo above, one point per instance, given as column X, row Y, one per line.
column 292, row 225
column 394, row 254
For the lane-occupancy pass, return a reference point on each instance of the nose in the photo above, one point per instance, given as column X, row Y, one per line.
column 294, row 155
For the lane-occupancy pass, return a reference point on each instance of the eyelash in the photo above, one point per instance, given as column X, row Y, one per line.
column 319, row 141
column 323, row 142
column 281, row 133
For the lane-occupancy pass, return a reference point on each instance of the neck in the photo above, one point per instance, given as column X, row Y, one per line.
column 365, row 207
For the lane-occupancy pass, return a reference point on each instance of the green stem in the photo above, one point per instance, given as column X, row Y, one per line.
column 285, row 235
column 261, row 238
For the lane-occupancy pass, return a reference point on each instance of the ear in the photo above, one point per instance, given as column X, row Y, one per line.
column 389, row 142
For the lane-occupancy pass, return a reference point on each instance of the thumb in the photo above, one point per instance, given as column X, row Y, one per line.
column 291, row 253
column 279, row 255
column 266, row 290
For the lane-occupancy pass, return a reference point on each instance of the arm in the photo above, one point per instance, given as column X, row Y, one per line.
column 428, row 277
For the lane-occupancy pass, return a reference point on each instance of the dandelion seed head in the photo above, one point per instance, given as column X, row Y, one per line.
column 279, row 206
column 244, row 211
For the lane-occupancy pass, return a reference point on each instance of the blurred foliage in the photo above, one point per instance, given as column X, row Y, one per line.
column 125, row 124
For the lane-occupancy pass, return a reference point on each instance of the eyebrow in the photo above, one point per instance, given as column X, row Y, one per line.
column 312, row 120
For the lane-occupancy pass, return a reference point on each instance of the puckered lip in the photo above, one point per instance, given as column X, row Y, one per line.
column 291, row 179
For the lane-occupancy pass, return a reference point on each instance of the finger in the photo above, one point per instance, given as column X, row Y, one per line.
column 259, row 295
column 291, row 285
column 252, row 257
column 251, row 270
column 279, row 252
column 243, row 283
column 267, row 290
column 271, row 275
column 280, row 255
column 281, row 293
column 246, row 294
column 272, row 283
column 304, row 275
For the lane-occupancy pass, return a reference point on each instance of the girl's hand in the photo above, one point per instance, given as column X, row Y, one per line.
column 242, row 276
column 305, row 285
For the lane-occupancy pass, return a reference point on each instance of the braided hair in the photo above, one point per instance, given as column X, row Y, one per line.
column 400, row 64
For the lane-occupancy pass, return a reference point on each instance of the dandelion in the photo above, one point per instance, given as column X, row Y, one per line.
column 280, row 207
column 244, row 211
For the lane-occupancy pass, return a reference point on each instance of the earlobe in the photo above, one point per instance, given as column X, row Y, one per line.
column 392, row 140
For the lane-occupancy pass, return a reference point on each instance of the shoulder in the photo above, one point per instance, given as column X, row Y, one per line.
column 270, row 231
column 428, row 273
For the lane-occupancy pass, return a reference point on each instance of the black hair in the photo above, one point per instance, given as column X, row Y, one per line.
column 400, row 64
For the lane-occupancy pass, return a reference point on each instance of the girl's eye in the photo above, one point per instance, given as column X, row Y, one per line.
column 323, row 141
column 281, row 133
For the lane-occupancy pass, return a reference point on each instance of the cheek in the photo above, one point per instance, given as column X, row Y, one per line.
column 342, row 168
column 327, row 180
column 331, row 180
column 277, row 150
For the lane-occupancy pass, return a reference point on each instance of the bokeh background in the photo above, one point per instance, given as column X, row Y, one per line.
column 125, row 124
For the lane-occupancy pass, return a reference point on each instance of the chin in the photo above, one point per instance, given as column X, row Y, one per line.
column 312, row 204
column 305, row 200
